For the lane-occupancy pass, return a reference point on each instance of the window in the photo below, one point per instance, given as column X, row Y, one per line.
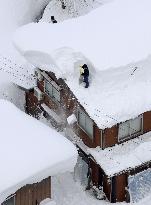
column 52, row 91
column 85, row 123
column 9, row 201
column 130, row 128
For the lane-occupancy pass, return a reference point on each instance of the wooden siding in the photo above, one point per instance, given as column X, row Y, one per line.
column 147, row 121
column 31, row 103
column 95, row 173
column 97, row 136
column 68, row 101
column 40, row 85
column 110, row 137
column 33, row 194
column 121, row 184
column 107, row 187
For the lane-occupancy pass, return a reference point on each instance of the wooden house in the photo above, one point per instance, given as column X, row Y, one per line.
column 29, row 157
column 113, row 116
column 110, row 170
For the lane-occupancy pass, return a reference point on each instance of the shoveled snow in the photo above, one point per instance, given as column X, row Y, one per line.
column 125, row 156
column 112, row 35
column 47, row 201
column 30, row 151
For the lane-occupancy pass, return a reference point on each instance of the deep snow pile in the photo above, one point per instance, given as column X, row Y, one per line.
column 22, row 136
column 110, row 36
column 72, row 9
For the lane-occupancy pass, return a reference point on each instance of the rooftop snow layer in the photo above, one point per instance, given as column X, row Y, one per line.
column 29, row 150
column 125, row 156
column 118, row 94
column 112, row 35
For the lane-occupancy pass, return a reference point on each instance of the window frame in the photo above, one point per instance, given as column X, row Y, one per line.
column 8, row 198
column 130, row 135
column 54, row 90
column 82, row 128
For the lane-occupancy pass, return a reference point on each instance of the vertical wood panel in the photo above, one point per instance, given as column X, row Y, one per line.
column 147, row 121
column 106, row 187
column 95, row 173
column 121, row 183
column 97, row 136
column 28, row 194
column 110, row 137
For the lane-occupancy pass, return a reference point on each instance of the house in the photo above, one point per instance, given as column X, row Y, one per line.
column 30, row 154
column 110, row 122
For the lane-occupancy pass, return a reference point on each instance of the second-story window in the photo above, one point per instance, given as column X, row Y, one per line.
column 130, row 128
column 9, row 201
column 52, row 91
column 85, row 123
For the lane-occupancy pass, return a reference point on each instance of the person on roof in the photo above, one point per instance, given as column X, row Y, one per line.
column 85, row 75
column 53, row 20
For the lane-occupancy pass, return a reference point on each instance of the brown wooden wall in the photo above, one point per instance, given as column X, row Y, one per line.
column 147, row 121
column 92, row 143
column 107, row 187
column 121, row 184
column 95, row 173
column 31, row 103
column 110, row 137
column 32, row 194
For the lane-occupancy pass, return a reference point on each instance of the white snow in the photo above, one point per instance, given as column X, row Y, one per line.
column 71, row 119
column 112, row 35
column 13, row 14
column 118, row 94
column 73, row 9
column 29, row 150
column 47, row 201
column 125, row 156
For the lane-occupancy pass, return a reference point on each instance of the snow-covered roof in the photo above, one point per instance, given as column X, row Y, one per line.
column 21, row 75
column 30, row 151
column 114, row 35
column 128, row 155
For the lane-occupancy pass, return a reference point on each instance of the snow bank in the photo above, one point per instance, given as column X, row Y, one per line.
column 112, row 35
column 35, row 151
column 124, row 156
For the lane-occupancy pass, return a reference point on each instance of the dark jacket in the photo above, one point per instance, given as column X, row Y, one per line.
column 86, row 70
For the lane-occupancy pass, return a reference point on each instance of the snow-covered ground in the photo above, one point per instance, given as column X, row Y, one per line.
column 68, row 192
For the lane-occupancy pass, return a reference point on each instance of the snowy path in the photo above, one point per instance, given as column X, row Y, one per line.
column 67, row 192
